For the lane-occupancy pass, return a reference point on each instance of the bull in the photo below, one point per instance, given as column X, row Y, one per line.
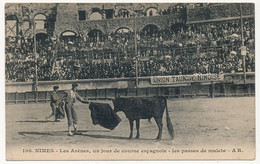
column 136, row 108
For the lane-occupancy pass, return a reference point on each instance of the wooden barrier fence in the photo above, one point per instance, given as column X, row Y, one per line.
column 194, row 90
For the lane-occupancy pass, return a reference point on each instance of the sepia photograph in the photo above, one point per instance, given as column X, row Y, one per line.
column 129, row 81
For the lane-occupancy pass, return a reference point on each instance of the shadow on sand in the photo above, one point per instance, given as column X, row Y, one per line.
column 58, row 133
column 37, row 121
column 114, row 137
column 98, row 136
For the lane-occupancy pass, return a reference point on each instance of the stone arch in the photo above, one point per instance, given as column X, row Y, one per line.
column 123, row 13
column 95, row 36
column 40, row 20
column 68, row 36
column 95, row 16
column 150, row 30
column 11, row 17
column 41, row 36
column 122, row 29
column 38, row 31
column 62, row 27
column 151, row 11
column 141, row 27
column 40, row 16
column 42, row 39
column 68, row 33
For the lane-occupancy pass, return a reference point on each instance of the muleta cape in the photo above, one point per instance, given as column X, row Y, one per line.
column 104, row 115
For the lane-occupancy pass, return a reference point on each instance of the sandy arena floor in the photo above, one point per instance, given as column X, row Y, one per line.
column 210, row 124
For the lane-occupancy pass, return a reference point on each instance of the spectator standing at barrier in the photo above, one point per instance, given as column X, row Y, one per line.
column 70, row 98
column 54, row 104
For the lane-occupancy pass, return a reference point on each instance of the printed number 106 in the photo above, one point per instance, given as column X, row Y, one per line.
column 27, row 150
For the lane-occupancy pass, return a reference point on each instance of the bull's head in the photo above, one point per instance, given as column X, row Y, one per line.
column 118, row 104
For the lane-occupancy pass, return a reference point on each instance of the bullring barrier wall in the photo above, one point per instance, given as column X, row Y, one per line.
column 231, row 85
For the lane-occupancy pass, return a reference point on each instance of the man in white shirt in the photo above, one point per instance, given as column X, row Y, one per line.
column 70, row 99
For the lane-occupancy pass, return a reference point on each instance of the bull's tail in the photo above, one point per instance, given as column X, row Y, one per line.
column 168, row 121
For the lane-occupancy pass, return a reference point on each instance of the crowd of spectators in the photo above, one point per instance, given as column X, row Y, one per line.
column 217, row 11
column 182, row 49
